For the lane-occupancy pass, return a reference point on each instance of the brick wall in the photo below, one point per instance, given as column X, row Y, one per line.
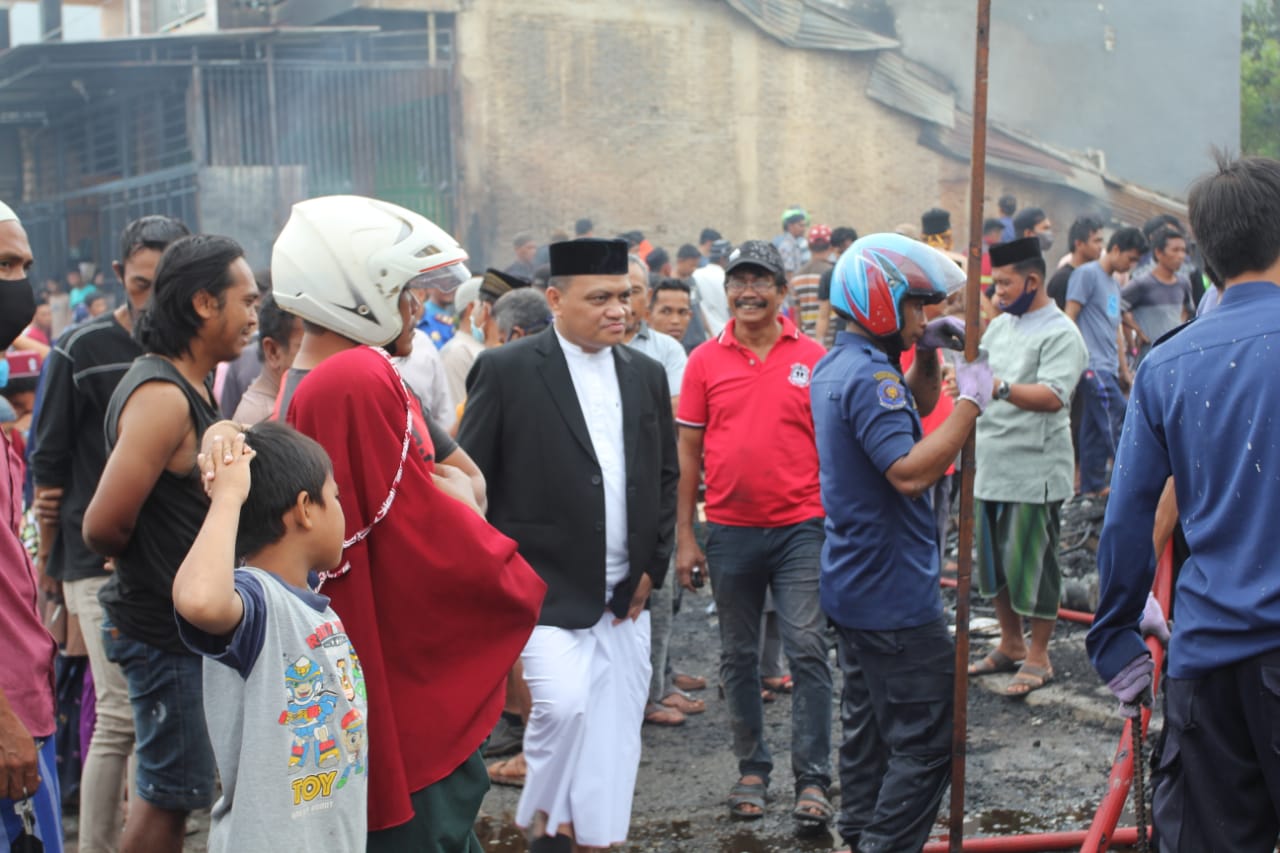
column 671, row 115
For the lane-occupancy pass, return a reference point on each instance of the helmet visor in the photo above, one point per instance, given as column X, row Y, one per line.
column 446, row 279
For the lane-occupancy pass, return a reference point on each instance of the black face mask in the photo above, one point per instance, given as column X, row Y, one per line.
column 893, row 346
column 17, row 307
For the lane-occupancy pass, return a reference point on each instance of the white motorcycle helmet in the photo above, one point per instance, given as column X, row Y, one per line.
column 342, row 261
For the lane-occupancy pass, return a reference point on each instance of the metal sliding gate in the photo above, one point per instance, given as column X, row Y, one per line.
column 227, row 139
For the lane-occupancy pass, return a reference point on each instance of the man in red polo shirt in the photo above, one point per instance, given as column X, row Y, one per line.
column 744, row 415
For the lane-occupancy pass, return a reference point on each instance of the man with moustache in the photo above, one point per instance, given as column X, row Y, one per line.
column 744, row 409
column 1025, row 466
column 146, row 512
column 574, row 435
column 67, row 458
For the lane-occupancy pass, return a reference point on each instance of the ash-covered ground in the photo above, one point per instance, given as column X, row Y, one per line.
column 1035, row 764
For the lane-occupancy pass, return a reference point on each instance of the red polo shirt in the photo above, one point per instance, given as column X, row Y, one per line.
column 759, row 452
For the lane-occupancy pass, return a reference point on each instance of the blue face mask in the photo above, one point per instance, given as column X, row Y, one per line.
column 1022, row 304
column 477, row 329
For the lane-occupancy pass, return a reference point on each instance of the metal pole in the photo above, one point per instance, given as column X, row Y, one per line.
column 273, row 129
column 964, row 570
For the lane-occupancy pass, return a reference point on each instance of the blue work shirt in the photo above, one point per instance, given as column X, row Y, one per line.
column 438, row 323
column 1204, row 410
column 880, row 561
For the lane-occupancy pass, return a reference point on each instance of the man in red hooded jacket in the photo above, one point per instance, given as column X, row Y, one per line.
column 438, row 601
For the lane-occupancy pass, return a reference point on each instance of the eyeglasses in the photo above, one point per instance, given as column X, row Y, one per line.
column 759, row 285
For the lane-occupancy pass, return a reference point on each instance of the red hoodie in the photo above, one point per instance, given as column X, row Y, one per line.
column 436, row 601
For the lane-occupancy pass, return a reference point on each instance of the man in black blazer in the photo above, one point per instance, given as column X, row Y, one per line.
column 574, row 434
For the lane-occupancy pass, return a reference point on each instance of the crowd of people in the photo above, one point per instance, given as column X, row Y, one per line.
column 346, row 540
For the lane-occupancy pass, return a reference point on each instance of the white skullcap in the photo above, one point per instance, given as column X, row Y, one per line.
column 468, row 292
column 7, row 214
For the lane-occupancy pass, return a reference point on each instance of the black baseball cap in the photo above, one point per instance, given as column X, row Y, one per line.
column 755, row 253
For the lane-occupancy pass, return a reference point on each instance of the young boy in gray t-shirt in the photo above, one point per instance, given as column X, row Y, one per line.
column 284, row 693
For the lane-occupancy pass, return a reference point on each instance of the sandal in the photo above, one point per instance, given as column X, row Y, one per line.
column 684, row 704
column 745, row 795
column 813, row 811
column 995, row 662
column 780, row 684
column 662, row 715
column 509, row 772
column 684, row 681
column 1030, row 677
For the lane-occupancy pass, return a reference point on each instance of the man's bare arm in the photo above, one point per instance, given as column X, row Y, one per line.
column 824, row 321
column 152, row 428
column 460, row 460
column 924, row 378
column 913, row 474
column 688, row 554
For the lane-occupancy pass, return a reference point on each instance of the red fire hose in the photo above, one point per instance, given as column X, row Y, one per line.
column 1029, row 843
column 1063, row 613
column 1102, row 833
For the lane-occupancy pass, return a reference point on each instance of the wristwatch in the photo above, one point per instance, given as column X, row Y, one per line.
column 1002, row 390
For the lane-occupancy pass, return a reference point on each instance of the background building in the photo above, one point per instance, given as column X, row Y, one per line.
column 502, row 116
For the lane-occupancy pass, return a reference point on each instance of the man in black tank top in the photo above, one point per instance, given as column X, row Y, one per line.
column 146, row 512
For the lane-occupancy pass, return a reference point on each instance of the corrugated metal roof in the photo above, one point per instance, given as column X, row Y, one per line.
column 1132, row 203
column 36, row 80
column 912, row 88
column 1018, row 154
column 908, row 86
column 800, row 23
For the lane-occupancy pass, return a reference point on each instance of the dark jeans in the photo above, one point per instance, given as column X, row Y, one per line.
column 1218, row 785
column 174, row 766
column 896, row 756
column 1101, row 419
column 743, row 562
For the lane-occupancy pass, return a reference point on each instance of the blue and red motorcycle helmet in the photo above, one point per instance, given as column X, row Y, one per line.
column 874, row 275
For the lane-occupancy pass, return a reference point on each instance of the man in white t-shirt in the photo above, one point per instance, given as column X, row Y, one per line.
column 710, row 283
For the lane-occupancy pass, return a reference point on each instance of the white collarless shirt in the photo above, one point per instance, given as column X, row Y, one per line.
column 595, row 381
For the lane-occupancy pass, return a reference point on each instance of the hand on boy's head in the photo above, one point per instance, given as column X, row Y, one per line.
column 224, row 468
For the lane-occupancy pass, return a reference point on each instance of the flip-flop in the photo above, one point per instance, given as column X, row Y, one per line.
column 684, row 704
column 747, row 794
column 813, row 811
column 684, row 681
column 509, row 771
column 1030, row 677
column 994, row 663
column 779, row 684
column 662, row 715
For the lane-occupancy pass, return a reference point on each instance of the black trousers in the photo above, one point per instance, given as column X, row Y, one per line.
column 895, row 758
column 1218, row 783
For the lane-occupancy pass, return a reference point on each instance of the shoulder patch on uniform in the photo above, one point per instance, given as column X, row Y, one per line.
column 891, row 394
column 799, row 375
column 881, row 375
